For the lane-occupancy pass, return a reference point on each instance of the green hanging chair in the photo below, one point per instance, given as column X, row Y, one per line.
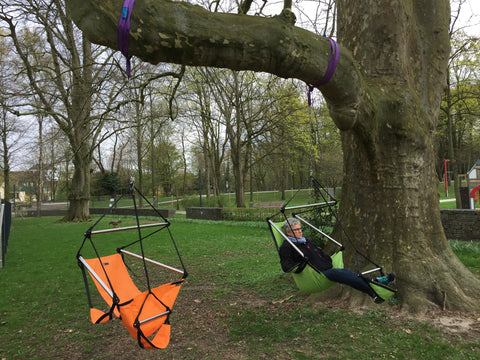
column 308, row 280
column 383, row 291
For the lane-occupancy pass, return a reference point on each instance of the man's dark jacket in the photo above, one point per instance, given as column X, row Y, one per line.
column 291, row 260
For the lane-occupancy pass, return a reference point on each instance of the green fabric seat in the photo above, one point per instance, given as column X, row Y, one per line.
column 383, row 291
column 310, row 280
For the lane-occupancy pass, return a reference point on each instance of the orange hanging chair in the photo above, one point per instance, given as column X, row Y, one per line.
column 145, row 314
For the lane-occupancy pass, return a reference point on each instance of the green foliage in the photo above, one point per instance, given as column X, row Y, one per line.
column 468, row 252
column 106, row 183
column 212, row 201
column 459, row 119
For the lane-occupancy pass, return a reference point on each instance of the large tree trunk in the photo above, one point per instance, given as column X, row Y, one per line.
column 384, row 96
column 80, row 136
column 390, row 200
column 79, row 196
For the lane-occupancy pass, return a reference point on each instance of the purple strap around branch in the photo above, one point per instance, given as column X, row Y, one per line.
column 123, row 35
column 332, row 65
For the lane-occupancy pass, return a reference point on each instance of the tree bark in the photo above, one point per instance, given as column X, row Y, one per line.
column 79, row 136
column 390, row 194
column 79, row 196
column 384, row 96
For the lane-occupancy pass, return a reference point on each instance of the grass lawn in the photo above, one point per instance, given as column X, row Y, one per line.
column 235, row 304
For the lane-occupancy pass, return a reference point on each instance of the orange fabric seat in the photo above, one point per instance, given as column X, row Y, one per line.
column 144, row 314
column 119, row 277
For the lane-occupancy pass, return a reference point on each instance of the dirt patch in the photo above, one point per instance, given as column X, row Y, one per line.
column 199, row 326
column 456, row 324
column 452, row 324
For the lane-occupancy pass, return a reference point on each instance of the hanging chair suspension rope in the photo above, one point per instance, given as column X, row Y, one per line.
column 288, row 202
column 285, row 207
column 89, row 232
column 319, row 231
column 142, row 238
column 332, row 65
column 169, row 232
column 145, row 269
column 123, row 32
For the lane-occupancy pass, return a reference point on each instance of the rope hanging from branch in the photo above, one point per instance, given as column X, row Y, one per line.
column 123, row 34
column 332, row 65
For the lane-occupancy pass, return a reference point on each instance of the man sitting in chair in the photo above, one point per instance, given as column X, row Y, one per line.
column 291, row 259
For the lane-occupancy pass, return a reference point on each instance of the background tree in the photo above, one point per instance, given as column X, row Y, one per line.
column 13, row 129
column 70, row 76
column 460, row 109
column 384, row 97
column 289, row 144
column 146, row 115
column 205, row 118
column 56, row 148
column 328, row 161
column 11, row 132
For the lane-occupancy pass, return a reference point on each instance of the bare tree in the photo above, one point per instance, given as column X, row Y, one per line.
column 59, row 65
column 203, row 115
column 460, row 107
column 12, row 129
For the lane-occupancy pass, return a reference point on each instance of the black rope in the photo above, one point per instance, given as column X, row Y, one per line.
column 137, row 324
column 139, row 230
column 112, row 206
column 168, row 229
column 88, row 235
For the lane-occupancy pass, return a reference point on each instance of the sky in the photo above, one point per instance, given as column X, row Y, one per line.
column 469, row 16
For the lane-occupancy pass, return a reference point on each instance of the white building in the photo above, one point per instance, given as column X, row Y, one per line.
column 473, row 183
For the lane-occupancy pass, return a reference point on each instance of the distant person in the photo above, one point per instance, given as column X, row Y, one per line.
column 290, row 259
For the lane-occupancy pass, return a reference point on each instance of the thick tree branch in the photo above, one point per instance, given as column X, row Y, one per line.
column 178, row 32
